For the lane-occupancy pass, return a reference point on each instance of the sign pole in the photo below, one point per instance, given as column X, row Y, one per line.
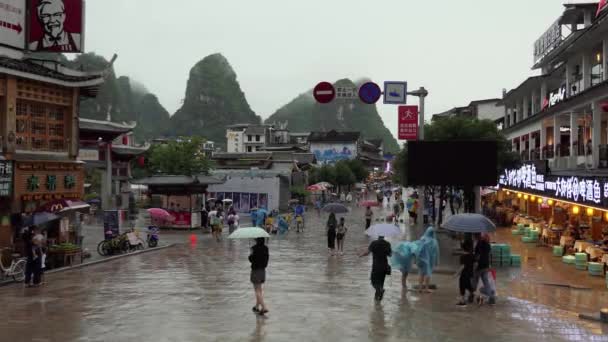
column 422, row 94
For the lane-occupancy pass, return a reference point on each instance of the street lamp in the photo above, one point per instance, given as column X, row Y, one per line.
column 421, row 93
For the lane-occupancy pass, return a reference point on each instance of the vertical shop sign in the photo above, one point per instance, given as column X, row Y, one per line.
column 6, row 178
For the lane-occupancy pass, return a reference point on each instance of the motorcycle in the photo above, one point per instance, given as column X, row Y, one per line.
column 152, row 237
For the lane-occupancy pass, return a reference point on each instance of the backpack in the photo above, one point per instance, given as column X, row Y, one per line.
column 215, row 220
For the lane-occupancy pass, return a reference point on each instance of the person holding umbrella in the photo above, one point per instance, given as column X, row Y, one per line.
column 259, row 261
column 381, row 251
column 482, row 257
column 332, row 224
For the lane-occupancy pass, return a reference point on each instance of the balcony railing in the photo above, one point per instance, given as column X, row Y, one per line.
column 535, row 154
column 548, row 152
column 563, row 150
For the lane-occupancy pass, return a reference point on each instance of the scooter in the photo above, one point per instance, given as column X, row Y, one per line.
column 152, row 237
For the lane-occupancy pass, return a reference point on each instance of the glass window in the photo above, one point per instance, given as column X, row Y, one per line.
column 257, row 138
column 249, row 138
column 597, row 69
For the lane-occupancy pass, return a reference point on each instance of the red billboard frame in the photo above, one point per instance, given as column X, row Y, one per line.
column 56, row 26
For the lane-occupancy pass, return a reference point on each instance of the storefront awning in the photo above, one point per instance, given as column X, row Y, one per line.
column 63, row 206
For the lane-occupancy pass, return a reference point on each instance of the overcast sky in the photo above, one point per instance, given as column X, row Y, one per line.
column 459, row 50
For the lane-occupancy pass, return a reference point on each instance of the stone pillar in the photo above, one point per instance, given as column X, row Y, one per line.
column 519, row 111
column 107, row 181
column 507, row 117
column 530, row 146
column 586, row 69
column 534, row 102
column 543, row 93
column 524, row 104
column 556, row 135
column 568, row 72
column 596, row 136
column 543, row 138
column 573, row 132
column 8, row 122
column 604, row 58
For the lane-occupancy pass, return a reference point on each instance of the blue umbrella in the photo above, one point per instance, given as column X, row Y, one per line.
column 94, row 201
column 40, row 218
column 469, row 223
column 335, row 208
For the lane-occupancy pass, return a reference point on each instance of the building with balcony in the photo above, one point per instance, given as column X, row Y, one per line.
column 561, row 115
column 253, row 138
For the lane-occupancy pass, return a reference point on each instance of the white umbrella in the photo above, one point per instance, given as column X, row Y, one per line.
column 249, row 233
column 383, row 229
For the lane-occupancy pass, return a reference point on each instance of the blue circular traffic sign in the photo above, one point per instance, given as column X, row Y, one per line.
column 370, row 93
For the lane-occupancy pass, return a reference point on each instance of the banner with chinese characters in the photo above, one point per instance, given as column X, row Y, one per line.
column 6, row 178
column 578, row 189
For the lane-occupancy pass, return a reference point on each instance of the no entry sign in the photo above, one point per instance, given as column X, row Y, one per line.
column 408, row 123
column 370, row 93
column 324, row 92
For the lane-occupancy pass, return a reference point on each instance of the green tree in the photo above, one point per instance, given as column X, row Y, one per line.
column 179, row 157
column 344, row 175
column 459, row 128
column 326, row 173
column 358, row 169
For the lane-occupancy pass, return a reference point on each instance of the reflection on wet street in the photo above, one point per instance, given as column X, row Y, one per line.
column 201, row 292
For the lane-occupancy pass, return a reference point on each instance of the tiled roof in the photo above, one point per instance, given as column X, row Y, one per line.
column 333, row 136
column 375, row 142
column 104, row 126
column 178, row 180
column 29, row 67
column 249, row 156
column 255, row 130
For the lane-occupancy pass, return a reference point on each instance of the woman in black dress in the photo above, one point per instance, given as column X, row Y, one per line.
column 332, row 224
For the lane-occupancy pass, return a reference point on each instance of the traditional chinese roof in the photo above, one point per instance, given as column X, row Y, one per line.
column 35, row 70
column 334, row 136
column 130, row 150
column 370, row 156
column 285, row 147
column 178, row 180
column 376, row 142
column 242, row 156
column 111, row 128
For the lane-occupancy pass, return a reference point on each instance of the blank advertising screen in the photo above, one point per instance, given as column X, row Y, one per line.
column 462, row 163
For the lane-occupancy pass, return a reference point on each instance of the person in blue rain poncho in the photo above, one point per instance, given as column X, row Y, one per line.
column 283, row 225
column 260, row 218
column 425, row 252
column 427, row 257
column 403, row 258
column 254, row 217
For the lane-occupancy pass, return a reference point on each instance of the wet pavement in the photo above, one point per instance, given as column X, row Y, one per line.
column 201, row 292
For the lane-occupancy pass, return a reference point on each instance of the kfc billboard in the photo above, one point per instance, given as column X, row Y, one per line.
column 56, row 25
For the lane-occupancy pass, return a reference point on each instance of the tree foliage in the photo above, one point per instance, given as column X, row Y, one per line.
column 459, row 128
column 178, row 157
column 344, row 175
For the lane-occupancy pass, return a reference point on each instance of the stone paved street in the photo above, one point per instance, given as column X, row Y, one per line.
column 201, row 292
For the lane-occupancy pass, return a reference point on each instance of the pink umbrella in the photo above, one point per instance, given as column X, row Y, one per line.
column 369, row 204
column 316, row 187
column 160, row 214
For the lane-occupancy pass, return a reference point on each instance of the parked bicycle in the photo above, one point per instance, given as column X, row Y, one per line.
column 16, row 270
column 117, row 245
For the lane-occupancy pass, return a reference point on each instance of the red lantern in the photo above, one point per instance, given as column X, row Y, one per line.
column 141, row 161
column 604, row 106
column 125, row 140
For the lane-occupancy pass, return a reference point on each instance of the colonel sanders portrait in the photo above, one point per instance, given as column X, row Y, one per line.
column 51, row 15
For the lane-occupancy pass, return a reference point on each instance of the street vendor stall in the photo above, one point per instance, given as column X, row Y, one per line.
column 181, row 196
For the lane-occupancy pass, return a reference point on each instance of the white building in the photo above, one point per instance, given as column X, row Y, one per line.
column 252, row 138
column 488, row 109
column 562, row 114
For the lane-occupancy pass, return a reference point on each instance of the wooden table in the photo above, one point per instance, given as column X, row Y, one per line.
column 66, row 257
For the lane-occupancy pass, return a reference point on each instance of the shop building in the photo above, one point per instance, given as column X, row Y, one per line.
column 561, row 115
column 487, row 109
column 40, row 140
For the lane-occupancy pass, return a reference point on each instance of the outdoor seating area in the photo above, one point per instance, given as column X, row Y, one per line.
column 575, row 234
